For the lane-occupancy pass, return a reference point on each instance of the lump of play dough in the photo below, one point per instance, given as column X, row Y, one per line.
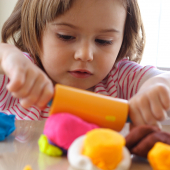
column 159, row 156
column 63, row 128
column 7, row 125
column 47, row 148
column 142, row 138
column 148, row 142
column 80, row 162
column 63, row 150
column 138, row 133
column 27, row 167
column 104, row 147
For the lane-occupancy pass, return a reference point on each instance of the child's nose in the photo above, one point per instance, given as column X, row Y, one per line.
column 84, row 52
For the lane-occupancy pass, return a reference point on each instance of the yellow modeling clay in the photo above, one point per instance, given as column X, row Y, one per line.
column 27, row 167
column 47, row 148
column 159, row 156
column 104, row 147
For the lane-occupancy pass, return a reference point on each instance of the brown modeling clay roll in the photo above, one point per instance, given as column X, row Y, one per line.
column 142, row 138
column 138, row 133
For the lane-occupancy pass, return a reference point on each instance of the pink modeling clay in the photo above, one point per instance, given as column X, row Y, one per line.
column 63, row 128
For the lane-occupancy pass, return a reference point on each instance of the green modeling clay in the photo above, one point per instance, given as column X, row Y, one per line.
column 47, row 148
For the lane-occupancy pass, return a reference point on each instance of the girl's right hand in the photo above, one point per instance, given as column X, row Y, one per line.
column 27, row 81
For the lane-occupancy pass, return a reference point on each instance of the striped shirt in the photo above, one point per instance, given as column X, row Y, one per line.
column 123, row 81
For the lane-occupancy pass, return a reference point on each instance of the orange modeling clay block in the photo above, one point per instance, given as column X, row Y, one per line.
column 104, row 111
column 159, row 156
column 104, row 147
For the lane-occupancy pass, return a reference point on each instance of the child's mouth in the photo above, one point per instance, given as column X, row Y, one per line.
column 80, row 74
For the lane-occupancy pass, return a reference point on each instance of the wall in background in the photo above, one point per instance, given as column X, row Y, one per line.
column 6, row 7
column 156, row 14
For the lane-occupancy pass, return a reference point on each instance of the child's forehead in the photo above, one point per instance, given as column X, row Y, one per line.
column 94, row 12
column 56, row 9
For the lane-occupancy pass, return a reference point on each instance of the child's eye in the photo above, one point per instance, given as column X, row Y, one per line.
column 65, row 37
column 103, row 42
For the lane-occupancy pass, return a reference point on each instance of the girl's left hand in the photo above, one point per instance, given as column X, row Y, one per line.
column 150, row 104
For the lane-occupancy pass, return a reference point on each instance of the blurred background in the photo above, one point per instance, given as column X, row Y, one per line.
column 156, row 18
column 6, row 7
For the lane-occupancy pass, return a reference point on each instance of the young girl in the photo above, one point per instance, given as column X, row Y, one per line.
column 88, row 44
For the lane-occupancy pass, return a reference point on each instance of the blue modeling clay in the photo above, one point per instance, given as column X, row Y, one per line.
column 7, row 125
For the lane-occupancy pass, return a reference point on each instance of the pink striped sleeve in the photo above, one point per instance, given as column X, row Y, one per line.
column 11, row 105
column 45, row 113
column 28, row 56
column 3, row 91
column 131, row 76
column 141, row 76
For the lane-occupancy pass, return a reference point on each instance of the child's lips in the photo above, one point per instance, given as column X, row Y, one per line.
column 80, row 73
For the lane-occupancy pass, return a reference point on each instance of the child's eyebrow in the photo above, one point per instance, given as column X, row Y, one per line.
column 109, row 30
column 102, row 30
column 65, row 24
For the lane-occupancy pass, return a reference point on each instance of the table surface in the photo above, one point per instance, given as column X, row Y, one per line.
column 21, row 149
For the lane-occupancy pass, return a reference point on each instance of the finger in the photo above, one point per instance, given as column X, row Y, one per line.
column 35, row 92
column 146, row 111
column 164, row 95
column 46, row 96
column 24, row 91
column 157, row 108
column 134, row 113
column 13, row 61
column 17, row 80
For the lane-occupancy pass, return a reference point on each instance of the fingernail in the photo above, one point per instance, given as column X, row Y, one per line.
column 166, row 116
column 159, row 125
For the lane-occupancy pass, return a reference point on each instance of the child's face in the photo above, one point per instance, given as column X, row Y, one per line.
column 80, row 47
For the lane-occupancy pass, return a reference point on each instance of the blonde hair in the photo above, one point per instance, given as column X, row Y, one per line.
column 29, row 17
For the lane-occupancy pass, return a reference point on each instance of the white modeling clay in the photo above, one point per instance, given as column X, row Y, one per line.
column 81, row 162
